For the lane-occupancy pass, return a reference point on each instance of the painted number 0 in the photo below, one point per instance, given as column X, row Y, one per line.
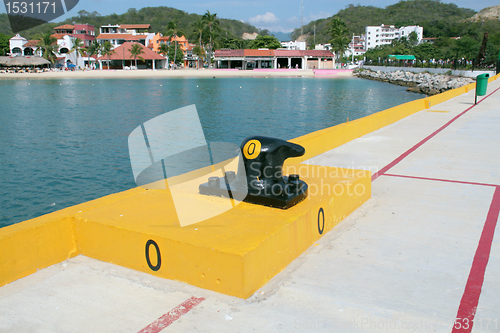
column 321, row 217
column 158, row 256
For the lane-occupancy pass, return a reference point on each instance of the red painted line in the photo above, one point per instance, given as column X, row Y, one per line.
column 418, row 145
column 171, row 316
column 439, row 180
column 468, row 305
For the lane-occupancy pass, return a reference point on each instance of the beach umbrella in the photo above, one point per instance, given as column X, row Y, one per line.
column 71, row 65
column 59, row 65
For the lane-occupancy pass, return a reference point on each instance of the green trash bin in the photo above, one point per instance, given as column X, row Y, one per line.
column 481, row 85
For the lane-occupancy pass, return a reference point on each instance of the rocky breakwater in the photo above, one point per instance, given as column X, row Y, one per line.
column 423, row 83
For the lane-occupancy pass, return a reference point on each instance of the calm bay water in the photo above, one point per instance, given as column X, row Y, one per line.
column 64, row 142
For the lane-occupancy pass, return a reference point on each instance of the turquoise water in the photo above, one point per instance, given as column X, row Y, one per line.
column 64, row 142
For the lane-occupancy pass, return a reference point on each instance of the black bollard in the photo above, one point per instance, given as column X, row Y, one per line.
column 260, row 175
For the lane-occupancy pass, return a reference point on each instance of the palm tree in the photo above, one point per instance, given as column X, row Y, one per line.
column 78, row 48
column 135, row 51
column 199, row 52
column 107, row 50
column 164, row 50
column 340, row 39
column 212, row 22
column 174, row 32
column 48, row 45
column 92, row 49
column 199, row 28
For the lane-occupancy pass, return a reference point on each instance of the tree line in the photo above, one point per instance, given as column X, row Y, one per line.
column 226, row 33
column 444, row 22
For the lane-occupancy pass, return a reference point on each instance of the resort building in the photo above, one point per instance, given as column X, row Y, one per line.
column 191, row 60
column 294, row 45
column 385, row 34
column 159, row 39
column 277, row 59
column 122, row 58
column 183, row 45
column 118, row 34
column 85, row 32
column 20, row 46
column 356, row 46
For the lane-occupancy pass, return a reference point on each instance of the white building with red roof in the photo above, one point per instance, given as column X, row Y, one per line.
column 122, row 58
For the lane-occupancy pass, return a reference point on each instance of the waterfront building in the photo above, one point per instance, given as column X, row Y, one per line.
column 356, row 46
column 190, row 59
column 122, row 58
column 16, row 45
column 385, row 34
column 20, row 46
column 85, row 32
column 183, row 46
column 276, row 59
column 118, row 34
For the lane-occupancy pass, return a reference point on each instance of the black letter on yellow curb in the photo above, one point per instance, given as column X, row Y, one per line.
column 158, row 263
column 321, row 228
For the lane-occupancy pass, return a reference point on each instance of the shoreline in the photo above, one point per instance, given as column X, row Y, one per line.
column 180, row 73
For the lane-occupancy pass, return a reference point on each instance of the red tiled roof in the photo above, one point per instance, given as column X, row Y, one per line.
column 32, row 43
column 122, row 52
column 150, row 45
column 135, row 26
column 58, row 36
column 118, row 36
column 317, row 53
column 229, row 53
column 288, row 53
column 258, row 53
column 132, row 37
column 65, row 27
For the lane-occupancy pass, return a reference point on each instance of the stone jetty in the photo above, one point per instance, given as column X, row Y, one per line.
column 423, row 83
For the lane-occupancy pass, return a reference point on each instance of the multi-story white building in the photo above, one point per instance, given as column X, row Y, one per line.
column 385, row 34
column 117, row 34
column 356, row 46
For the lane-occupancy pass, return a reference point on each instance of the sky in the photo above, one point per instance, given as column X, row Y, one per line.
column 276, row 16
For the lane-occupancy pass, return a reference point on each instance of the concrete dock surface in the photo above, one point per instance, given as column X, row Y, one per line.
column 420, row 256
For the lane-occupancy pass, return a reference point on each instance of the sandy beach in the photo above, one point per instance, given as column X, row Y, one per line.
column 180, row 73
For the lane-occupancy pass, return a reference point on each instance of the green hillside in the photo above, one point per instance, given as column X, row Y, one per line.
column 437, row 18
column 158, row 17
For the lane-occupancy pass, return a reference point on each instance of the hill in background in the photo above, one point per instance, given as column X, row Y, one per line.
column 437, row 18
column 488, row 13
column 158, row 17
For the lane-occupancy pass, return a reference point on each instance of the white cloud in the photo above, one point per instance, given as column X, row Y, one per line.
column 266, row 19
